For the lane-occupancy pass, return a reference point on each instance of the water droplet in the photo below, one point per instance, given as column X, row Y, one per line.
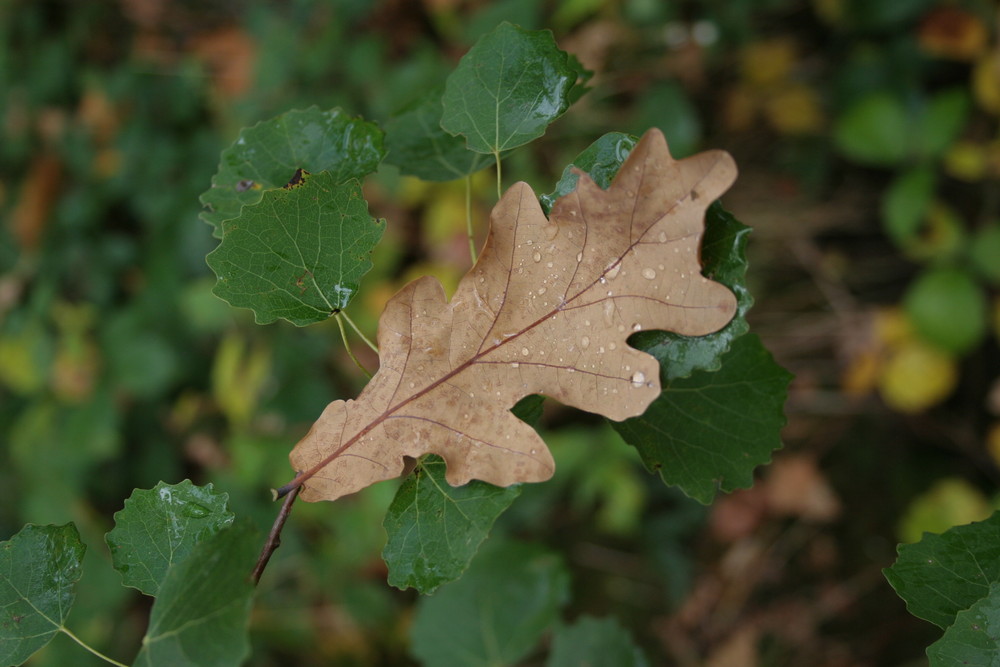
column 609, row 312
column 637, row 327
column 600, row 350
column 613, row 272
column 621, row 327
column 515, row 365
column 195, row 511
column 551, row 231
column 638, row 378
column 585, row 342
column 648, row 274
column 537, row 256
column 663, row 237
column 603, row 280
column 534, row 451
column 524, row 351
column 612, row 346
column 412, row 385
column 586, row 323
column 541, row 291
column 465, row 416
column 579, row 256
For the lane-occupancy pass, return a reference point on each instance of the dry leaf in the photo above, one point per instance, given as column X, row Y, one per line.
column 546, row 310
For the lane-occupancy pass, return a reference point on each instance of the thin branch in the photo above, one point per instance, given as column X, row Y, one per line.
column 347, row 346
column 274, row 537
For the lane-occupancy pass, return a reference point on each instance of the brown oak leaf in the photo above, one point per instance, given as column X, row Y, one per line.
column 546, row 310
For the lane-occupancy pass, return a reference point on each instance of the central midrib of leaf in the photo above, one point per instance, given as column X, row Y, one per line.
column 303, row 476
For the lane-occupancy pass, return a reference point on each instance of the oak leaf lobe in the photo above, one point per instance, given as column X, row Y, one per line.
column 547, row 309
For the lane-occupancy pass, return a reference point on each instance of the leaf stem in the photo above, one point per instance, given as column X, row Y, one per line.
column 468, row 217
column 364, row 338
column 496, row 156
column 274, row 537
column 347, row 345
column 88, row 647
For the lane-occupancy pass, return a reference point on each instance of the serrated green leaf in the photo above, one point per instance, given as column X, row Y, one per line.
column 601, row 160
column 723, row 256
column 267, row 155
column 300, row 254
column 496, row 613
column 201, row 615
column 435, row 529
column 39, row 568
column 507, row 89
column 419, row 147
column 974, row 638
column 159, row 527
column 707, row 432
column 595, row 642
column 941, row 575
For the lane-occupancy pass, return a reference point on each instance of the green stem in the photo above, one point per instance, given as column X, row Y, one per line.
column 347, row 345
column 496, row 156
column 360, row 335
column 468, row 217
column 91, row 649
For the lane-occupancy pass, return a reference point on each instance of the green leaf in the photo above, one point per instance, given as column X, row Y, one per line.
column 905, row 205
column 601, row 161
column 984, row 251
column 875, row 130
column 707, row 432
column 419, row 147
column 267, row 155
column 529, row 409
column 39, row 568
column 508, row 88
column 723, row 256
column 974, row 638
column 944, row 574
column 496, row 613
column 300, row 254
column 202, row 612
column 948, row 309
column 435, row 529
column 941, row 122
column 596, row 642
column 159, row 528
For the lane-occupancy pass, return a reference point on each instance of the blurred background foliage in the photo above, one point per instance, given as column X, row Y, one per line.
column 867, row 135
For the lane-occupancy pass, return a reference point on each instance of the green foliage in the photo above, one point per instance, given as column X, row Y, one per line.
column 160, row 527
column 707, row 432
column 496, row 613
column 300, row 253
column 601, row 161
column 39, row 568
column 202, row 611
column 952, row 580
column 267, row 155
column 510, row 86
column 594, row 641
column 948, row 308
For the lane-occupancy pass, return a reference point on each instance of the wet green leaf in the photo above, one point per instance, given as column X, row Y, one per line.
column 201, row 615
column 974, row 638
column 159, row 528
column 267, row 155
column 941, row 575
column 601, row 161
column 435, row 529
column 300, row 254
column 39, row 568
column 508, row 88
column 595, row 642
column 707, row 432
column 496, row 613
column 419, row 147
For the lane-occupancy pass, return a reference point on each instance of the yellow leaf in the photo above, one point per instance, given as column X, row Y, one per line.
column 966, row 161
column 950, row 502
column 794, row 109
column 547, row 309
column 986, row 82
column 917, row 376
column 768, row 62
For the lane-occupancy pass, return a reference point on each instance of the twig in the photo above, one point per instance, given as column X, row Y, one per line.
column 274, row 537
